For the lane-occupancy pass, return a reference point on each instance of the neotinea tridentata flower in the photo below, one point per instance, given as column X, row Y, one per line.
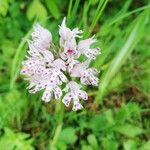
column 47, row 70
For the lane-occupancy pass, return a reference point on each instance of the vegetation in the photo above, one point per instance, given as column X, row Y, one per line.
column 116, row 116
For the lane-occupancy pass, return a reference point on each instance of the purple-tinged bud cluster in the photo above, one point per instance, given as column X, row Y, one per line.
column 47, row 71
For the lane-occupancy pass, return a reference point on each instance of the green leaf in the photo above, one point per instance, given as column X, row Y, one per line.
column 86, row 147
column 128, row 130
column 68, row 136
column 145, row 146
column 52, row 6
column 109, row 144
column 130, row 145
column 36, row 10
column 97, row 123
column 4, row 5
column 10, row 140
column 13, row 108
column 116, row 82
column 92, row 141
column 101, row 121
column 126, row 111
column 61, row 145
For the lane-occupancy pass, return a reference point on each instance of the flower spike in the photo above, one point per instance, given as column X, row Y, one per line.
column 49, row 72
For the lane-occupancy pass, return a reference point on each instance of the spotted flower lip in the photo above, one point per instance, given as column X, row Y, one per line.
column 50, row 72
column 47, row 93
column 86, row 75
column 74, row 94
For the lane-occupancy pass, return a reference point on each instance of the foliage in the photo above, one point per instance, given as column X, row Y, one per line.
column 11, row 140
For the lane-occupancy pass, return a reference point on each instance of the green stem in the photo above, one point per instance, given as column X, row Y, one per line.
column 58, row 128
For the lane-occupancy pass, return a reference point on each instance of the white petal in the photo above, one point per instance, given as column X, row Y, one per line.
column 47, row 94
column 92, row 53
column 84, row 47
column 67, row 98
column 41, row 33
column 39, row 70
column 77, row 106
column 70, row 44
column 67, row 37
column 40, row 45
column 84, row 80
column 59, row 64
column 69, row 50
column 71, row 63
column 76, row 32
column 74, row 87
column 63, row 30
column 94, row 80
column 76, row 71
column 83, row 94
column 79, row 69
column 57, row 92
column 93, row 71
column 36, row 89
column 33, row 50
column 85, row 44
column 24, row 71
column 48, row 55
column 33, row 62
column 46, row 73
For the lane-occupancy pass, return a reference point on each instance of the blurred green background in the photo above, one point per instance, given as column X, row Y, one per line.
column 117, row 114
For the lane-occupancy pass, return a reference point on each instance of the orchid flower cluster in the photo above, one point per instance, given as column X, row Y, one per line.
column 48, row 71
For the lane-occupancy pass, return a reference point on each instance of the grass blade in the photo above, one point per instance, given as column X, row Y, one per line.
column 123, row 54
column 101, row 9
column 15, row 65
column 69, row 9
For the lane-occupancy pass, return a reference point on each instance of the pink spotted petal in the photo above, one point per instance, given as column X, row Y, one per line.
column 77, row 106
column 94, row 80
column 41, row 33
column 48, row 55
column 57, row 92
column 36, row 89
column 83, row 94
column 85, row 44
column 84, row 80
column 59, row 64
column 47, row 94
column 67, row 98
